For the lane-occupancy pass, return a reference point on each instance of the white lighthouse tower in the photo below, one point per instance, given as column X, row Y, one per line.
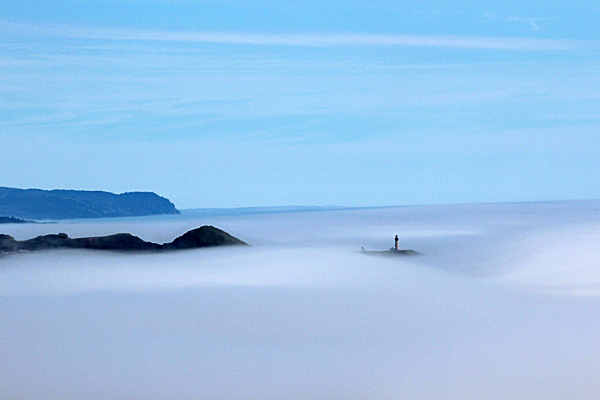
column 396, row 244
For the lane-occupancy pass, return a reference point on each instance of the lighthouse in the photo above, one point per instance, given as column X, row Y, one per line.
column 396, row 244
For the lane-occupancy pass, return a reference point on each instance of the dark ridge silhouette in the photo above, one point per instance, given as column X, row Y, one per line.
column 391, row 253
column 13, row 220
column 69, row 204
column 205, row 236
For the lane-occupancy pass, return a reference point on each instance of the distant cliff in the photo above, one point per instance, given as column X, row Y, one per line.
column 68, row 204
column 12, row 220
column 205, row 236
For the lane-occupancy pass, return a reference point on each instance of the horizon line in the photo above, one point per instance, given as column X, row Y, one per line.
column 342, row 208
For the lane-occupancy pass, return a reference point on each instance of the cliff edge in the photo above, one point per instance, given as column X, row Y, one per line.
column 40, row 204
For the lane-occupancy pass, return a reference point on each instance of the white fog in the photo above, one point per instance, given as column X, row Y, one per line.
column 503, row 303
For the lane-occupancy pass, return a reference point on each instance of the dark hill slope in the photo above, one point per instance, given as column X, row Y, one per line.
column 205, row 236
column 67, row 204
column 12, row 220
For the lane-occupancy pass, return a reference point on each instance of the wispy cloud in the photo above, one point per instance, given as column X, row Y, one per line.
column 306, row 40
column 531, row 21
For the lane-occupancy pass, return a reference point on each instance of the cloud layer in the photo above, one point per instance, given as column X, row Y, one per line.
column 308, row 40
column 505, row 293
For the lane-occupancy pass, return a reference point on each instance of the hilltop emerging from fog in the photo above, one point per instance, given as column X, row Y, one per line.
column 68, row 204
column 205, row 236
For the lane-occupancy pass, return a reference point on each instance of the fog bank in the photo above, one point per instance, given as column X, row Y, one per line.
column 503, row 304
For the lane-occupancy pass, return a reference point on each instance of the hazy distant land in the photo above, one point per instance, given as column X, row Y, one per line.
column 218, row 212
column 40, row 204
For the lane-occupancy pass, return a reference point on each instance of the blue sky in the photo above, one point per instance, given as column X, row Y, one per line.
column 251, row 103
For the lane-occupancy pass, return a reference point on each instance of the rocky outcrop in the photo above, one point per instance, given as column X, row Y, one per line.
column 391, row 253
column 205, row 236
column 69, row 204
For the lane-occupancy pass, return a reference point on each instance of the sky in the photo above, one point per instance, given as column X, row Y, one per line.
column 264, row 103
